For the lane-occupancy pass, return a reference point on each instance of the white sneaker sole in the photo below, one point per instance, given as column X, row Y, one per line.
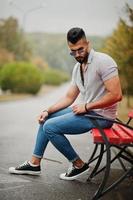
column 12, row 170
column 63, row 177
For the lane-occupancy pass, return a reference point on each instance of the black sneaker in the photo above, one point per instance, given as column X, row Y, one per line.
column 25, row 168
column 74, row 173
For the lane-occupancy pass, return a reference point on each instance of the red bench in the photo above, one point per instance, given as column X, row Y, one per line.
column 120, row 137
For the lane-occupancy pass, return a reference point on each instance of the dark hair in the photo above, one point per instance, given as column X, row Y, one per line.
column 75, row 34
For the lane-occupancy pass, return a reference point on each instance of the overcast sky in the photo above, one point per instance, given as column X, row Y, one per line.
column 96, row 17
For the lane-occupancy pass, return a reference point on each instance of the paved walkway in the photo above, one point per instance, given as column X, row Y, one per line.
column 18, row 124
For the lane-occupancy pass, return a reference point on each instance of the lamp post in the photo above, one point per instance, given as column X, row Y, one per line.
column 26, row 12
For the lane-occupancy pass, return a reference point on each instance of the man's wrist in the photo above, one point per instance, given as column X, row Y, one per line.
column 86, row 109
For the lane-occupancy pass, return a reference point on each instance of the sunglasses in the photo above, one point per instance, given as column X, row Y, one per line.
column 79, row 51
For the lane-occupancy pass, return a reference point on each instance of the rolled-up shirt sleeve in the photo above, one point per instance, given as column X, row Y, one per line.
column 108, row 68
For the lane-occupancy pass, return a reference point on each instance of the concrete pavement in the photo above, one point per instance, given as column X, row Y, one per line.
column 18, row 127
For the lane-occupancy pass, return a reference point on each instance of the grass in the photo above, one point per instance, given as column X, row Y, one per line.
column 13, row 97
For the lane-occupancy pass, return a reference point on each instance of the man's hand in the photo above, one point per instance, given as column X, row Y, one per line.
column 42, row 117
column 78, row 109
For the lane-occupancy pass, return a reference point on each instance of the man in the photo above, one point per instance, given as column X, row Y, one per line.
column 95, row 77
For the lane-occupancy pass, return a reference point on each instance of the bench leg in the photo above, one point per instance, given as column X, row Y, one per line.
column 112, row 186
column 118, row 156
column 100, row 190
column 98, row 162
column 93, row 154
column 118, row 181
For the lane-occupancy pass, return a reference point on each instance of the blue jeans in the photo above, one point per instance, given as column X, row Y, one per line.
column 60, row 123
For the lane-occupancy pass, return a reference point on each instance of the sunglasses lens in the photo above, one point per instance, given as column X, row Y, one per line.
column 72, row 53
column 80, row 51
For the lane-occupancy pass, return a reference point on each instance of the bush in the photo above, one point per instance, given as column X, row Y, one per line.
column 21, row 77
column 54, row 77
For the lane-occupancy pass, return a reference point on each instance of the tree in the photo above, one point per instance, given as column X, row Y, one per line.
column 13, row 40
column 119, row 46
column 5, row 57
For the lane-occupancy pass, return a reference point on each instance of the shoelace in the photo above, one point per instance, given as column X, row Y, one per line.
column 70, row 168
column 24, row 164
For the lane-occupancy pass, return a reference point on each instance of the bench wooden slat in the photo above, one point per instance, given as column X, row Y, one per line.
column 113, row 138
column 124, row 137
column 128, row 131
column 118, row 134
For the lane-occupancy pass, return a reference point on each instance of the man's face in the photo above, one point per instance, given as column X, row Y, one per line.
column 79, row 50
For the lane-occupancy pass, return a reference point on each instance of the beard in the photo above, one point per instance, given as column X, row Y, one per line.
column 82, row 59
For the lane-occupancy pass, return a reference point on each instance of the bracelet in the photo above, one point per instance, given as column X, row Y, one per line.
column 86, row 107
column 46, row 111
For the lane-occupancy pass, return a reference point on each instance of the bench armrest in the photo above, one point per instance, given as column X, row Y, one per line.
column 130, row 114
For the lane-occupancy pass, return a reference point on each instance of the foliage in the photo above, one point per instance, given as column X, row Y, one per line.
column 54, row 77
column 13, row 40
column 5, row 57
column 21, row 77
column 120, row 46
column 39, row 62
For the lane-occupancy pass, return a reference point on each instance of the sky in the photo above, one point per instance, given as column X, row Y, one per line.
column 96, row 17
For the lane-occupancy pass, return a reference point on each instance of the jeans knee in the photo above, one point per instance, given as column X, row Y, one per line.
column 49, row 129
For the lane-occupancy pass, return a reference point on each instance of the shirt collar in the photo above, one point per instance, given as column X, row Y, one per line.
column 90, row 57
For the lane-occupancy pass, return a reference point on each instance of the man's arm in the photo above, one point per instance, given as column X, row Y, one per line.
column 113, row 95
column 64, row 102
